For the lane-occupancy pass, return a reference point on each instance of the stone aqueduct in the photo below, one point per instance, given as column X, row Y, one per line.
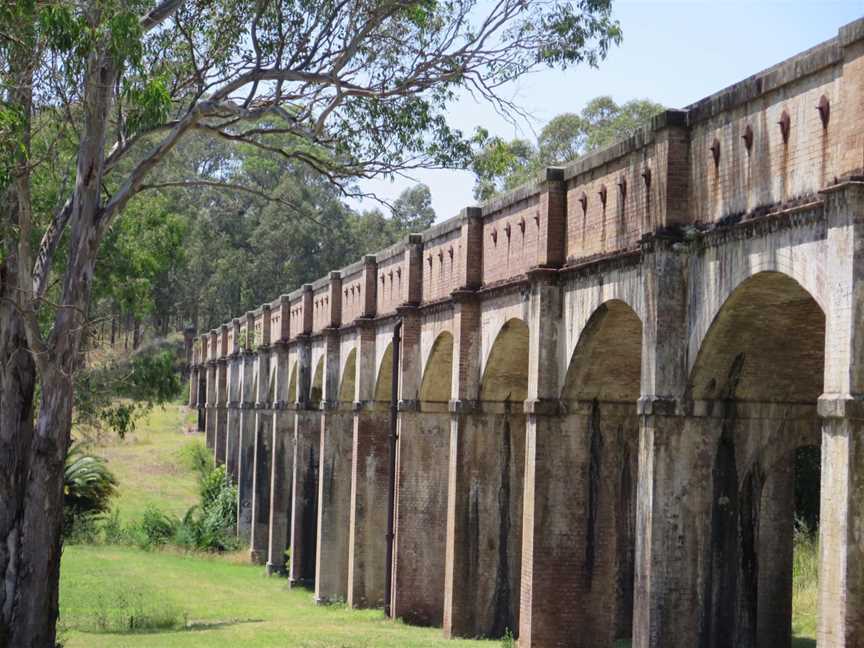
column 602, row 379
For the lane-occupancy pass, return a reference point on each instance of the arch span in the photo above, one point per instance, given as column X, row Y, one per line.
column 349, row 378
column 606, row 362
column 316, row 387
column 505, row 376
column 383, row 387
column 436, row 386
column 765, row 343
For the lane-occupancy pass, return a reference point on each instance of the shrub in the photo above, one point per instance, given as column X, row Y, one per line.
column 155, row 528
column 209, row 526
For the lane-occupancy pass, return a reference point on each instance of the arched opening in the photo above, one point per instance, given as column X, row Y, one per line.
column 316, row 388
column 421, row 522
column 383, row 383
column 349, row 378
column 492, row 452
column 436, row 385
column 505, row 378
column 759, row 373
column 292, row 385
column 598, row 461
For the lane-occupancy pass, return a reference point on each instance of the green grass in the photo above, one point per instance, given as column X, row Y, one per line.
column 148, row 467
column 118, row 597
column 214, row 602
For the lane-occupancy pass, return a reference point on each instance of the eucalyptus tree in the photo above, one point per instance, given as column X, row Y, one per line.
column 349, row 88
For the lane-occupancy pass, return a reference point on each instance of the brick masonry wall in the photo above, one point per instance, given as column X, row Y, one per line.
column 353, row 296
column 773, row 171
column 321, row 308
column 510, row 238
column 392, row 284
column 442, row 259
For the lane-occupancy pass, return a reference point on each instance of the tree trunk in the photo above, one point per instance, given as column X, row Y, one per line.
column 136, row 334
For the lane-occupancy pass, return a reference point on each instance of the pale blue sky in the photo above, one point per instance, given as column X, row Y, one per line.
column 673, row 52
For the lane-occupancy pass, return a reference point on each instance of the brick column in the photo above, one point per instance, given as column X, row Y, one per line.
column 201, row 397
column 369, row 481
column 421, row 489
column 670, row 501
column 235, row 377
column 281, row 464
column 304, row 484
column 263, row 449
column 221, row 397
column 192, row 366
column 421, row 513
column 841, row 545
column 246, row 444
column 553, row 549
column 210, row 404
column 334, row 482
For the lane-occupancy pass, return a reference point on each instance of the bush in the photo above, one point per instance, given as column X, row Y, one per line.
column 155, row 528
column 209, row 527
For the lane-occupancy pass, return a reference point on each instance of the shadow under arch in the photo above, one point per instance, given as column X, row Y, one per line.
column 755, row 382
column 597, row 457
column 607, row 360
column 316, row 387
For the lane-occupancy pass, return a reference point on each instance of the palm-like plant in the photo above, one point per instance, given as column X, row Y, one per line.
column 88, row 484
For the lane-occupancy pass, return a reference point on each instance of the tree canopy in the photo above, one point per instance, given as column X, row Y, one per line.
column 500, row 165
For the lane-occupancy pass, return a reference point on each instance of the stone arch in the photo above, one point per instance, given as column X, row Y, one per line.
column 436, row 385
column 316, row 388
column 349, row 378
column 606, row 363
column 271, row 381
column 384, row 376
column 292, row 384
column 717, row 294
column 505, row 376
column 770, row 316
column 755, row 381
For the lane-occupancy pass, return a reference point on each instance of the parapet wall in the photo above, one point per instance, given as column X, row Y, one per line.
column 760, row 146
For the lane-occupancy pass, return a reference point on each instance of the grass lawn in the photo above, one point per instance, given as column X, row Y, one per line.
column 196, row 600
column 223, row 602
